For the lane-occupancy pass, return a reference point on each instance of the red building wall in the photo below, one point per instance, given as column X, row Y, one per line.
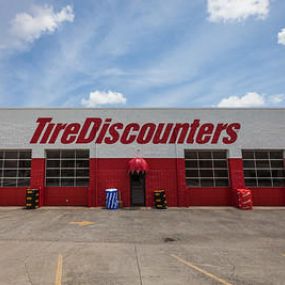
column 11, row 196
column 164, row 173
column 66, row 196
column 38, row 177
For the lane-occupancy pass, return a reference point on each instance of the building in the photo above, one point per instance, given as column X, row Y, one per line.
column 196, row 155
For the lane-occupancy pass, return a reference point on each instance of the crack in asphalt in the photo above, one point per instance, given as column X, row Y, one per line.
column 138, row 264
column 27, row 272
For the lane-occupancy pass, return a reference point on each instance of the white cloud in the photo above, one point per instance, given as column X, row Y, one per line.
column 27, row 27
column 281, row 37
column 237, row 10
column 276, row 99
column 250, row 99
column 99, row 98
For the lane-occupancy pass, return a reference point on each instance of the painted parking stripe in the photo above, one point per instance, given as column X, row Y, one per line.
column 82, row 223
column 208, row 274
column 58, row 273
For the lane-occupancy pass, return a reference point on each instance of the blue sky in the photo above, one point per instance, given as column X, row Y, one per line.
column 142, row 53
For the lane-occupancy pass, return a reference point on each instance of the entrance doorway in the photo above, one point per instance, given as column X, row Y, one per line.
column 137, row 181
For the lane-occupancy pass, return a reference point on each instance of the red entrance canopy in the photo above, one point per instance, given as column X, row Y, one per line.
column 138, row 165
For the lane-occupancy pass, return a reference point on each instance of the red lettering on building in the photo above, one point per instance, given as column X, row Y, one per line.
column 98, row 131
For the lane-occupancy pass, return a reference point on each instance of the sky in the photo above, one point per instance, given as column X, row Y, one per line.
column 142, row 53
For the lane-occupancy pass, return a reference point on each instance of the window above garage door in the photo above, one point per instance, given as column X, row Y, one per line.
column 67, row 167
column 263, row 168
column 15, row 168
column 206, row 168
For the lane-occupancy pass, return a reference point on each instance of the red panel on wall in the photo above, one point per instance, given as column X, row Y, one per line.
column 210, row 196
column 268, row 196
column 182, row 191
column 66, row 196
column 235, row 166
column 38, row 177
column 13, row 196
column 162, row 175
column 92, row 183
column 113, row 173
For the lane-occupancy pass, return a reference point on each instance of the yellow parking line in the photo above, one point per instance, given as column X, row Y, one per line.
column 58, row 274
column 220, row 280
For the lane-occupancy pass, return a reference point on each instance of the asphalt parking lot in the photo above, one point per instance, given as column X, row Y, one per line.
column 142, row 246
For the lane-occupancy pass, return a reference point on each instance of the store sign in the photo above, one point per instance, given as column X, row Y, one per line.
column 100, row 131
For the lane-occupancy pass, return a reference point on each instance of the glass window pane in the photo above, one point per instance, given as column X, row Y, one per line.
column 262, row 164
column 222, row 182
column 10, row 173
column 82, row 153
column 53, row 163
column 192, row 173
column 219, row 154
column 53, row 173
column 263, row 182
column 82, row 181
column 10, row 163
column 278, row 173
column 276, row 154
column 261, row 155
column 205, row 163
column 247, row 154
column 53, row 154
column 24, row 163
column 85, row 172
column 70, row 153
column 23, row 182
column 263, row 173
column 67, row 182
column 9, row 182
column 191, row 154
column 68, row 163
column 1, row 154
column 24, row 173
column 251, row 182
column 204, row 155
column 11, row 155
column 250, row 173
column 220, row 164
column 25, row 154
column 206, row 173
column 248, row 164
column 277, row 163
column 207, row 182
column 193, row 182
column 191, row 163
column 1, row 163
column 52, row 182
column 278, row 182
column 221, row 173
column 67, row 172
column 82, row 163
